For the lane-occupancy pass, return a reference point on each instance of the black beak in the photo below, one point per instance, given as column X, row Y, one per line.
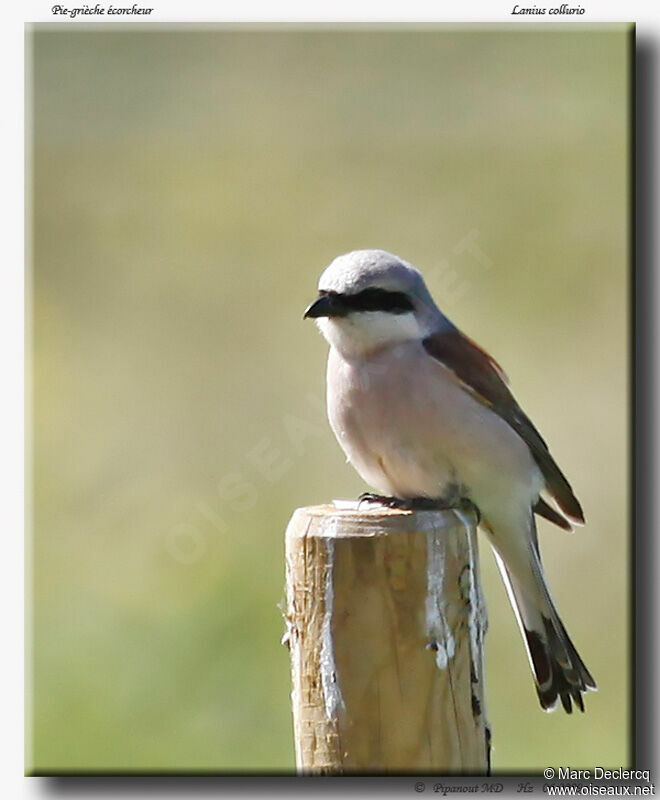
column 326, row 305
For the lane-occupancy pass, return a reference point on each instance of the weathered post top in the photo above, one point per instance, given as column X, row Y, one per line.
column 385, row 623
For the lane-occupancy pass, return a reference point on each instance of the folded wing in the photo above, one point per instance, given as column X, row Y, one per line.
column 485, row 380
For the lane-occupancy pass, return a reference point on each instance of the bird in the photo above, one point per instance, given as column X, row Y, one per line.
column 427, row 419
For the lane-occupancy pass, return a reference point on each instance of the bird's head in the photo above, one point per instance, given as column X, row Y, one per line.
column 369, row 299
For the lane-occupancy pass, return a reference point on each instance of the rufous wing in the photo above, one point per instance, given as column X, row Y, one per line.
column 485, row 380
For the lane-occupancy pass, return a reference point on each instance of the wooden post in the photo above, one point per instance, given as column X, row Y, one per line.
column 385, row 624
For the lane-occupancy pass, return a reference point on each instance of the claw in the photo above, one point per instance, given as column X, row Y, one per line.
column 420, row 503
column 380, row 499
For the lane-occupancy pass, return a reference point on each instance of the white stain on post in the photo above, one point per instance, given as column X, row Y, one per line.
column 477, row 624
column 331, row 691
column 477, row 617
column 440, row 636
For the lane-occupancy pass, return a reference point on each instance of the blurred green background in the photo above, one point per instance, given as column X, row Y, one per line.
column 188, row 187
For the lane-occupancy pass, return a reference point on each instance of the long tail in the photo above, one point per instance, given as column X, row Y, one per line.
column 559, row 672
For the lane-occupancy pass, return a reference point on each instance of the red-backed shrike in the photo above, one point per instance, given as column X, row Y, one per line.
column 425, row 416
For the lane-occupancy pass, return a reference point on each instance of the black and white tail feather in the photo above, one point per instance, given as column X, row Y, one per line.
column 559, row 672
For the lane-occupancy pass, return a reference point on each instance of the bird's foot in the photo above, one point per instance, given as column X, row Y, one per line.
column 381, row 500
column 421, row 503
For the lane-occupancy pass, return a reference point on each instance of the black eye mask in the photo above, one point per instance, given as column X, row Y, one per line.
column 371, row 300
column 335, row 304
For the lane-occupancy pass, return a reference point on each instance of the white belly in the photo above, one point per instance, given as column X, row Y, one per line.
column 410, row 430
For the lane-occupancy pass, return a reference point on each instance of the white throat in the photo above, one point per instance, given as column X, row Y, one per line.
column 363, row 332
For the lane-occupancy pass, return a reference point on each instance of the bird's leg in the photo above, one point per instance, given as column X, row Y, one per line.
column 403, row 503
column 453, row 499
